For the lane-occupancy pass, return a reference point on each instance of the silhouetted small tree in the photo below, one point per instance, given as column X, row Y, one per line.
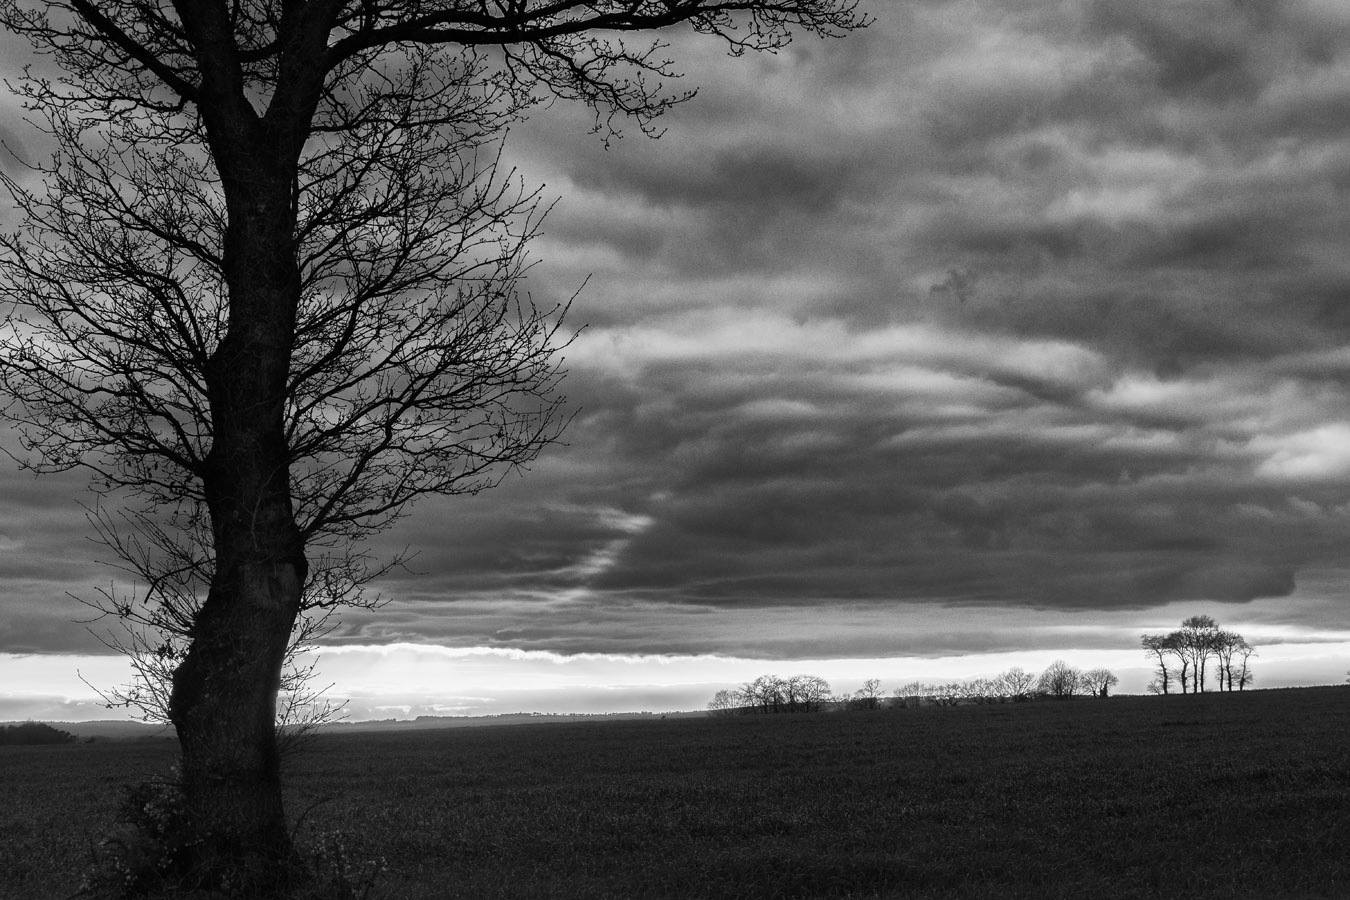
column 915, row 693
column 1017, row 683
column 866, row 697
column 1159, row 646
column 1098, row 682
column 1198, row 640
column 764, row 694
column 725, row 703
column 982, row 690
column 1060, row 680
column 1229, row 647
column 1244, row 673
column 807, row 693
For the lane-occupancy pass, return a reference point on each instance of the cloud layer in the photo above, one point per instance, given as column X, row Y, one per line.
column 1033, row 305
column 1034, row 308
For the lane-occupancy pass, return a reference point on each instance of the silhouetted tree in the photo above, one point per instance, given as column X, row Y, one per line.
column 1060, row 680
column 269, row 292
column 1098, row 682
column 806, row 693
column 1227, row 647
column 765, row 694
column 1017, row 683
column 1160, row 647
column 725, row 703
column 914, row 693
column 1183, row 668
column 949, row 694
column 1244, row 653
column 867, row 697
column 1197, row 641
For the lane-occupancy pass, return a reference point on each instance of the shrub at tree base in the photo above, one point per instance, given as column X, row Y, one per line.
column 150, row 847
column 155, row 852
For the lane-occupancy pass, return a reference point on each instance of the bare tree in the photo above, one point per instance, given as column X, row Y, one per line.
column 868, row 696
column 984, row 690
column 1232, row 653
column 1175, row 644
column 766, row 694
column 726, row 703
column 1226, row 645
column 1098, row 682
column 1160, row 647
column 1060, row 680
column 806, row 693
column 1197, row 641
column 269, row 293
column 1017, row 683
column 949, row 694
column 914, row 693
column 1245, row 676
column 263, row 414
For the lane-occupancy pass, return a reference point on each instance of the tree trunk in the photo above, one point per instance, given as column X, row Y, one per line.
column 224, row 707
column 225, row 690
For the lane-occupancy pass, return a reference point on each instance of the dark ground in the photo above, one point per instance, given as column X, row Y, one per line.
column 1214, row 796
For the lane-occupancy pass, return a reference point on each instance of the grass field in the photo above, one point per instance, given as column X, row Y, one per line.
column 1213, row 796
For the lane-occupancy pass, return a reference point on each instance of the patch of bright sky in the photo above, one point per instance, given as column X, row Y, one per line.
column 406, row 680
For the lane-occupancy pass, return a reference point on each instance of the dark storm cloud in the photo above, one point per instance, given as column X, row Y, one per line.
column 45, row 563
column 747, row 182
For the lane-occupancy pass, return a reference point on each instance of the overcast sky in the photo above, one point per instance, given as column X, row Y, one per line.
column 1000, row 332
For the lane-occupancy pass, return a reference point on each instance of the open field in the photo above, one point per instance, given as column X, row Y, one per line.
column 1232, row 796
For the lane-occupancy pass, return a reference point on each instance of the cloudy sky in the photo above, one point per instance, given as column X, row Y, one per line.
column 998, row 333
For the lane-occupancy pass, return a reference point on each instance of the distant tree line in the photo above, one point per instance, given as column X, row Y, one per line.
column 33, row 733
column 1189, row 658
column 1059, row 681
column 771, row 694
column 811, row 693
column 1184, row 658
